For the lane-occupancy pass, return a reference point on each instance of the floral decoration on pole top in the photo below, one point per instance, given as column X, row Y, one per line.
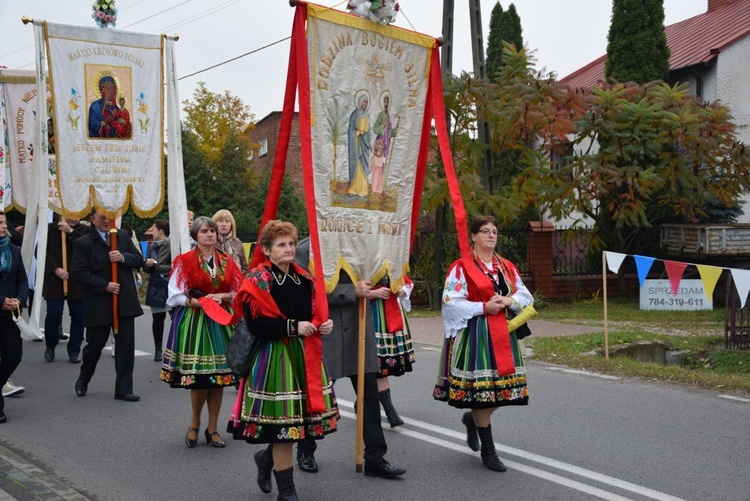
column 105, row 13
column 377, row 11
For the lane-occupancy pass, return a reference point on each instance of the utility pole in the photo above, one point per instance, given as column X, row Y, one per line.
column 441, row 213
column 477, row 52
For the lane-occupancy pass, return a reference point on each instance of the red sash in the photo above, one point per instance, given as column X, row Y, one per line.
column 480, row 288
column 262, row 305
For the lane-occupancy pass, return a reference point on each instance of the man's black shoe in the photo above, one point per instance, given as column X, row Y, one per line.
column 81, row 388
column 383, row 469
column 307, row 463
column 3, row 417
column 49, row 355
column 128, row 397
column 74, row 359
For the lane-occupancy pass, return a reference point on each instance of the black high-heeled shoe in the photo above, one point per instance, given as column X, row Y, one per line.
column 191, row 442
column 220, row 444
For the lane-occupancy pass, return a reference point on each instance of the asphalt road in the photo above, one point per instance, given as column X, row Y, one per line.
column 583, row 436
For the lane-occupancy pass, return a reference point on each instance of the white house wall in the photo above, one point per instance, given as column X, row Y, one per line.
column 733, row 90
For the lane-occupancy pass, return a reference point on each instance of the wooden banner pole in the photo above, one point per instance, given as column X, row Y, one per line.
column 361, row 385
column 64, row 238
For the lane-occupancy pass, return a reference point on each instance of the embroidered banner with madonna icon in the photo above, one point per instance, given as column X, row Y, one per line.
column 108, row 118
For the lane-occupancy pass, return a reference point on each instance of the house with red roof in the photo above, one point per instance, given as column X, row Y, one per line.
column 711, row 52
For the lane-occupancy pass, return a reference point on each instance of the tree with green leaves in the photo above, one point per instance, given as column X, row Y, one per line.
column 645, row 155
column 505, row 26
column 637, row 50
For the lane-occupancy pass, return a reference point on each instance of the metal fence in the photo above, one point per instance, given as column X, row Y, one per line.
column 571, row 256
column 736, row 320
column 512, row 244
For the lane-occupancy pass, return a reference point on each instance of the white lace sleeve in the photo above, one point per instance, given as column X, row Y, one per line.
column 176, row 296
column 521, row 298
column 457, row 309
column 406, row 300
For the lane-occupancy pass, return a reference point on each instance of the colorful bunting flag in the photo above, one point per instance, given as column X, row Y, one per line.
column 675, row 269
column 709, row 276
column 614, row 260
column 742, row 283
column 643, row 264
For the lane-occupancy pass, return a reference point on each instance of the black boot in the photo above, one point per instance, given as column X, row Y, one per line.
column 471, row 431
column 285, row 482
column 390, row 411
column 489, row 455
column 264, row 462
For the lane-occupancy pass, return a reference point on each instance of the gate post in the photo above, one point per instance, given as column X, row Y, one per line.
column 539, row 255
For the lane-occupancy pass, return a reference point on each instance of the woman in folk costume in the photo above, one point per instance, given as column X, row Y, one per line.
column 395, row 350
column 277, row 299
column 481, row 364
column 202, row 285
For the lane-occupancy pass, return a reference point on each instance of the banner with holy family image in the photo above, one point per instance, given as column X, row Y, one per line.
column 108, row 108
column 18, row 90
column 368, row 90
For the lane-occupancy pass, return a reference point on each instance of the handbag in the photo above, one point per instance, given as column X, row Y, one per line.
column 518, row 323
column 27, row 333
column 240, row 349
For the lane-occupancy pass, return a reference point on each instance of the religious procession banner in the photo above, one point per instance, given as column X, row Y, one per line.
column 108, row 118
column 367, row 96
column 368, row 86
column 19, row 90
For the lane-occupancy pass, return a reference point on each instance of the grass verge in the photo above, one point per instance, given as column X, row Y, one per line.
column 701, row 333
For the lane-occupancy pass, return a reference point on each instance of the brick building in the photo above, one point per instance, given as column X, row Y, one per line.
column 266, row 134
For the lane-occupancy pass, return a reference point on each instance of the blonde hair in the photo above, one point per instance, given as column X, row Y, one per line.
column 225, row 214
column 274, row 229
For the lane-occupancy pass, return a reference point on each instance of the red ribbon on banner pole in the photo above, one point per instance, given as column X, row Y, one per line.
column 313, row 344
column 298, row 80
column 497, row 323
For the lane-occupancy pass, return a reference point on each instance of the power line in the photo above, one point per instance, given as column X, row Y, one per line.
column 235, row 58
column 200, row 15
column 157, row 14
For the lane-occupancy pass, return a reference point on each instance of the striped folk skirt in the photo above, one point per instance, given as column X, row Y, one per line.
column 395, row 349
column 468, row 376
column 272, row 403
column 194, row 356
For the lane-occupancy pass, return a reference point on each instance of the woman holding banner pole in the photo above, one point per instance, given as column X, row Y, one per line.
column 481, row 365
column 202, row 285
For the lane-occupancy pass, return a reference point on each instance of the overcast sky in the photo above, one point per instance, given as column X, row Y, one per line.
column 565, row 35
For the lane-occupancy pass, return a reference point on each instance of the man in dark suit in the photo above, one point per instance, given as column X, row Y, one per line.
column 92, row 260
column 340, row 350
column 56, row 273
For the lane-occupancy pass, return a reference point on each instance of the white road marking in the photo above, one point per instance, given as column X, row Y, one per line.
column 732, row 397
column 582, row 373
column 551, row 463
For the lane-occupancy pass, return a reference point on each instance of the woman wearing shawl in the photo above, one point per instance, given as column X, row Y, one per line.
column 278, row 303
column 201, row 286
column 481, row 364
column 14, row 290
column 227, row 238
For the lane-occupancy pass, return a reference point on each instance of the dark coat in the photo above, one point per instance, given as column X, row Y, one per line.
column 15, row 283
column 53, row 285
column 92, row 269
column 341, row 346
